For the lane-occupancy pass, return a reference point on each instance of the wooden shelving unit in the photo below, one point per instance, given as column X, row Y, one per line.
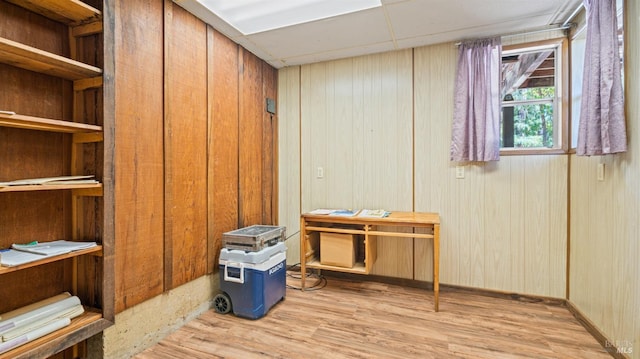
column 82, row 21
column 96, row 251
column 70, row 12
column 45, row 124
column 29, row 58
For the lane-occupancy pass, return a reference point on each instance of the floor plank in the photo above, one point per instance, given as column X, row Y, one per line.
column 365, row 319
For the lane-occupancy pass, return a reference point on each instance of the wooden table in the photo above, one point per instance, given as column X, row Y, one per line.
column 311, row 225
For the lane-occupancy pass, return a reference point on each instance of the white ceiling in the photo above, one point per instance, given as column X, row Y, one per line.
column 397, row 24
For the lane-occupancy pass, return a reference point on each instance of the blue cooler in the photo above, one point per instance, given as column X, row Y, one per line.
column 253, row 281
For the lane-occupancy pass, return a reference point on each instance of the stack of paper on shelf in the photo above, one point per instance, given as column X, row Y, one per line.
column 53, row 248
column 29, row 323
column 60, row 180
column 26, row 253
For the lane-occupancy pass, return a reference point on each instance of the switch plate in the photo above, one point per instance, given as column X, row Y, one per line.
column 320, row 173
column 600, row 172
column 459, row 172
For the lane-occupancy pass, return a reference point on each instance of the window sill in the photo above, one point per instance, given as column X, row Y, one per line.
column 532, row 151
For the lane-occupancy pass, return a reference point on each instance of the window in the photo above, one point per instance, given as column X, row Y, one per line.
column 531, row 97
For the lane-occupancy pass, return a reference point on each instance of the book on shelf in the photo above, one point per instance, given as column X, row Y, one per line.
column 60, row 180
column 374, row 213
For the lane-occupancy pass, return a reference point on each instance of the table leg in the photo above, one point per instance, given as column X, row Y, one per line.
column 436, row 265
column 303, row 253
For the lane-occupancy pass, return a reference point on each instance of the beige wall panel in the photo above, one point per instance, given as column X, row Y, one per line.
column 605, row 230
column 499, row 244
column 434, row 176
column 536, row 264
column 492, row 234
column 517, row 221
column 558, row 224
column 488, row 239
column 357, row 126
column 289, row 158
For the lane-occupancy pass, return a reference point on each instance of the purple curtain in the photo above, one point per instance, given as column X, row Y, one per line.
column 476, row 115
column 602, row 125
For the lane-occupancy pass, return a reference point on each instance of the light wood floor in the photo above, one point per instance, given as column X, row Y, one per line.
column 365, row 319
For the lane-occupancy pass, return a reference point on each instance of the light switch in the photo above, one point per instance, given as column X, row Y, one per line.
column 320, row 173
column 459, row 172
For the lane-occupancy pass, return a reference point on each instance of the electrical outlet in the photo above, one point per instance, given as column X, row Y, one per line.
column 600, row 172
column 459, row 172
column 320, row 173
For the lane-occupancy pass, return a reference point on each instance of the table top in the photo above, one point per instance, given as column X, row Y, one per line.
column 394, row 218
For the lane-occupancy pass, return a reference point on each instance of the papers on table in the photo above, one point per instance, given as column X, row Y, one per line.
column 373, row 213
column 31, row 252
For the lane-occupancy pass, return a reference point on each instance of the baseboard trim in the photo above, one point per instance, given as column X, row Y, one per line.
column 591, row 328
column 605, row 342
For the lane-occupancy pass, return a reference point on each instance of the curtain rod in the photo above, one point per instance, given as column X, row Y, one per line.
column 573, row 14
column 563, row 27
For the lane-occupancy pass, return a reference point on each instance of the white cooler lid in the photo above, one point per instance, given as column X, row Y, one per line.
column 237, row 255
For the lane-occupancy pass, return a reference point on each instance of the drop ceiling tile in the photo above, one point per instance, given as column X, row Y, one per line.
column 360, row 29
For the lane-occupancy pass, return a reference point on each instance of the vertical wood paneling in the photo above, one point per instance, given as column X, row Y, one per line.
column 289, row 158
column 498, row 245
column 605, row 230
column 474, row 208
column 536, row 227
column 269, row 145
column 434, row 67
column 185, row 146
column 223, row 141
column 357, row 125
column 139, row 195
column 251, row 111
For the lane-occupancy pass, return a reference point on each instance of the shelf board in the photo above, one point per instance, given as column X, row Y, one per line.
column 33, row 59
column 358, row 268
column 97, row 250
column 45, row 124
column 65, row 11
column 86, row 325
column 94, row 186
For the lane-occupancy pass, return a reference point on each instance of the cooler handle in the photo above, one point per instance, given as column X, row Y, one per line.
column 234, row 279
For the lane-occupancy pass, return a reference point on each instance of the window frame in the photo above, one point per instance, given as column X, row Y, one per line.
column 562, row 96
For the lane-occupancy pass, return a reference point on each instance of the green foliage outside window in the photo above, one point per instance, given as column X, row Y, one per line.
column 533, row 123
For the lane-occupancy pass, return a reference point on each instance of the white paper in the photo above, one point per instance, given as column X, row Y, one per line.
column 38, row 333
column 54, row 248
column 12, row 257
column 35, row 315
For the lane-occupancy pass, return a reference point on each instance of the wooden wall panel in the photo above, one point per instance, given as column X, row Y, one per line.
column 605, row 220
column 139, row 163
column 269, row 146
column 251, row 111
column 185, row 129
column 223, row 179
